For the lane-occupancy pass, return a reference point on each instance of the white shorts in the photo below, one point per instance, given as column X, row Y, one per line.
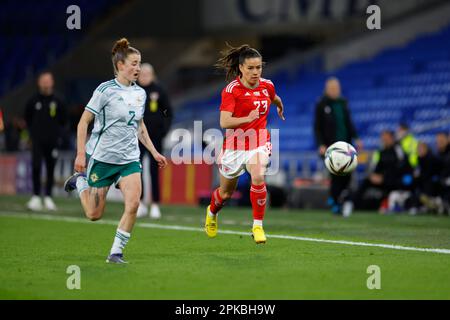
column 232, row 163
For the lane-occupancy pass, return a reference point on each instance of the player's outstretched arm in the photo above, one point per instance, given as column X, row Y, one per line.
column 227, row 121
column 144, row 138
column 280, row 108
column 80, row 160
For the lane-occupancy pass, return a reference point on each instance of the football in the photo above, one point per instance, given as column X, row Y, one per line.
column 341, row 158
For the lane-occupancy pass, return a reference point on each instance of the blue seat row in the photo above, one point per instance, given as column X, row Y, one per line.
column 30, row 40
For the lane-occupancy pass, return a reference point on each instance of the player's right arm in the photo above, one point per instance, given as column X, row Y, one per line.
column 227, row 121
column 82, row 128
column 94, row 106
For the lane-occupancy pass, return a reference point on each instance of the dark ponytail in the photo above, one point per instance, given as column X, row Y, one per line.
column 233, row 57
column 120, row 52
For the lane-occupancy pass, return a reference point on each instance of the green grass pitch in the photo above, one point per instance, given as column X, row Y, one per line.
column 36, row 250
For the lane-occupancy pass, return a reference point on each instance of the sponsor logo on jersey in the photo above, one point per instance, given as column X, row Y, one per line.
column 257, row 93
column 247, row 94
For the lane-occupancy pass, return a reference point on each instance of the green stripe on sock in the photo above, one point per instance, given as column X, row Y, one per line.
column 121, row 236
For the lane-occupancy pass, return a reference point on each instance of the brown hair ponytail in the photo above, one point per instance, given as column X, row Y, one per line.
column 233, row 57
column 120, row 52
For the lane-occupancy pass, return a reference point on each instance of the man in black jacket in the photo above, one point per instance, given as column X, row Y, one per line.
column 157, row 118
column 390, row 170
column 443, row 155
column 333, row 123
column 45, row 116
column 426, row 179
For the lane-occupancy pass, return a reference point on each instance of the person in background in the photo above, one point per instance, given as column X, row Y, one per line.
column 427, row 179
column 16, row 138
column 157, row 118
column 408, row 143
column 389, row 171
column 443, row 155
column 45, row 117
column 2, row 131
column 333, row 123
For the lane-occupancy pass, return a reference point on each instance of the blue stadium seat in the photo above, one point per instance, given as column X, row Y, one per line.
column 30, row 36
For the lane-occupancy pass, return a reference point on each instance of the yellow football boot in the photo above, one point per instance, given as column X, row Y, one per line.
column 211, row 224
column 258, row 234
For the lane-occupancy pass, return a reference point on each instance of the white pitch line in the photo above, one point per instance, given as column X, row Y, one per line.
column 184, row 228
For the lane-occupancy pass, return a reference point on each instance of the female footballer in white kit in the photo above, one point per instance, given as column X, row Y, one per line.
column 112, row 152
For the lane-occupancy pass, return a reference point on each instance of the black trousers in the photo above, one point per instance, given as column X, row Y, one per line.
column 154, row 170
column 47, row 152
column 373, row 199
column 340, row 188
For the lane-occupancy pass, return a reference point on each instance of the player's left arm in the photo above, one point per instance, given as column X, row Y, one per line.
column 144, row 138
column 280, row 108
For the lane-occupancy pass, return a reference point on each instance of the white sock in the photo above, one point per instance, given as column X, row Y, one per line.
column 82, row 184
column 120, row 240
column 211, row 215
column 257, row 223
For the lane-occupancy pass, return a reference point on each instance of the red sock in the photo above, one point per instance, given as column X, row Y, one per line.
column 258, row 196
column 217, row 202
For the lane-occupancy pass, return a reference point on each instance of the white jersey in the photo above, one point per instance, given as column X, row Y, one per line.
column 118, row 110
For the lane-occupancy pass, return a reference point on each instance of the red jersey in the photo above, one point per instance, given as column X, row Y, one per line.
column 240, row 100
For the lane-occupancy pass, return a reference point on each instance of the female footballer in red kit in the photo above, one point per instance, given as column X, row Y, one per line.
column 244, row 108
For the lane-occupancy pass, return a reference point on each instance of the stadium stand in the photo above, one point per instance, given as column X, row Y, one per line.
column 31, row 42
